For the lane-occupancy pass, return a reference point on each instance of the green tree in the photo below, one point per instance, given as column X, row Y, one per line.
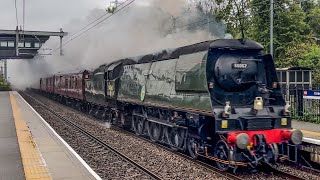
column 306, row 54
column 313, row 19
column 289, row 25
column 311, row 58
column 235, row 14
column 296, row 23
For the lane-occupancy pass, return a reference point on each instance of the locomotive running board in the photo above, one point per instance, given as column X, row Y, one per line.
column 159, row 121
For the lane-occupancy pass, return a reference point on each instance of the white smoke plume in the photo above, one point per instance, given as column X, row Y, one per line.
column 137, row 30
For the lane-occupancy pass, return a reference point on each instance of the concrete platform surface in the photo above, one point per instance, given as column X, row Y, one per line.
column 311, row 131
column 10, row 160
column 62, row 162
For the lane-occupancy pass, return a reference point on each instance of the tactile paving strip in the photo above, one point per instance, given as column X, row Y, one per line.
column 33, row 164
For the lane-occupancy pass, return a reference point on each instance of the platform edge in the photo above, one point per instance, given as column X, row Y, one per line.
column 92, row 172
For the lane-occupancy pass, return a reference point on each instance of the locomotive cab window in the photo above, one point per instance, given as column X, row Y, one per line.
column 113, row 71
column 109, row 77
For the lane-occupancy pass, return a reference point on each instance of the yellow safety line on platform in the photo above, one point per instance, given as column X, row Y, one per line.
column 310, row 132
column 33, row 163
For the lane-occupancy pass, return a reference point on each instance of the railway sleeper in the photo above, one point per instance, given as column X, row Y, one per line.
column 165, row 127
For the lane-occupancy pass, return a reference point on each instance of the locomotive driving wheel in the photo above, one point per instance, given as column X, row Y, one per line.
column 109, row 116
column 139, row 126
column 193, row 146
column 133, row 123
column 155, row 132
column 176, row 138
column 221, row 151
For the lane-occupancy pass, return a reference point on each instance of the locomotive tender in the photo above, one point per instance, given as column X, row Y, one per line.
column 217, row 99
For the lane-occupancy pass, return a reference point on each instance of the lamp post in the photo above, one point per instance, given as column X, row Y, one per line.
column 271, row 27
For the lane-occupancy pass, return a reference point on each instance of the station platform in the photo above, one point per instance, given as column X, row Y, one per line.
column 311, row 131
column 31, row 149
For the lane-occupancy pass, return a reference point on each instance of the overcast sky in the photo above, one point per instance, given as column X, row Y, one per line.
column 48, row 15
column 139, row 29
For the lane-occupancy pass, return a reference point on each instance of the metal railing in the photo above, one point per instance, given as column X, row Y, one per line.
column 303, row 109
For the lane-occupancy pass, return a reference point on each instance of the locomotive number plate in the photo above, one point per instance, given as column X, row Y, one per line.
column 239, row 66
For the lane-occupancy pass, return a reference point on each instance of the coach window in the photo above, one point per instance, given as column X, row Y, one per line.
column 21, row 44
column 27, row 45
column 76, row 83
column 37, row 45
column 10, row 44
column 4, row 44
column 65, row 82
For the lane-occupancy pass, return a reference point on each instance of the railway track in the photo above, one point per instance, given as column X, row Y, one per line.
column 210, row 168
column 93, row 138
column 272, row 171
column 203, row 164
column 284, row 175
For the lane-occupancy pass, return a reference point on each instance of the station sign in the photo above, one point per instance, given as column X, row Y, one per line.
column 311, row 94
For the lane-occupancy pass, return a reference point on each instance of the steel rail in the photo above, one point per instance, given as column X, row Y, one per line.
column 82, row 130
column 209, row 167
column 284, row 175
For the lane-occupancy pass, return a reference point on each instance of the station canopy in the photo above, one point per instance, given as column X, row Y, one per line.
column 19, row 44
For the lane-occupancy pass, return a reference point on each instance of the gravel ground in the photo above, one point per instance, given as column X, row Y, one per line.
column 104, row 162
column 300, row 172
column 162, row 162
